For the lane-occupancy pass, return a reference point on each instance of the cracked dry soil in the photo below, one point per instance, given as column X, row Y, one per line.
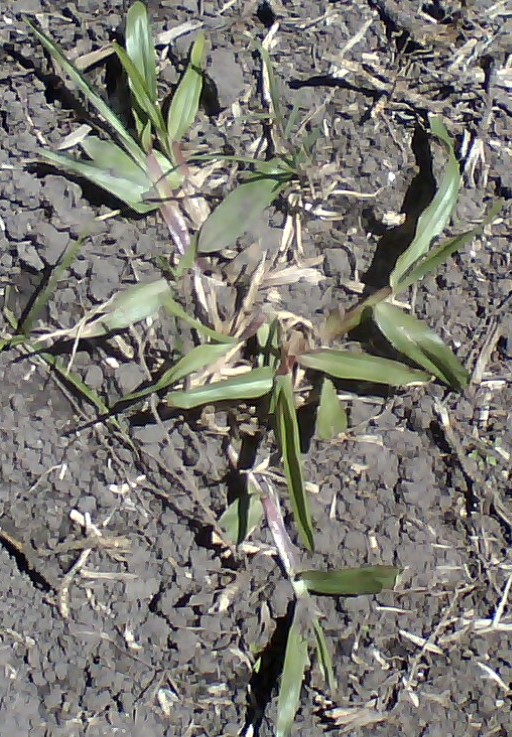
column 148, row 646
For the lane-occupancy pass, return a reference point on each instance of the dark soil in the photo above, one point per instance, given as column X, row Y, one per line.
column 159, row 639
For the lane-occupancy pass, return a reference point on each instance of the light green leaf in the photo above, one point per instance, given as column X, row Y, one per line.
column 287, row 428
column 199, row 358
column 133, row 305
column 441, row 253
column 273, row 87
column 252, row 385
column 415, row 340
column 140, row 47
column 295, row 663
column 129, row 190
column 185, row 102
column 137, row 85
column 96, row 101
column 237, row 213
column 242, row 517
column 436, row 216
column 362, row 367
column 324, row 656
column 331, row 417
column 351, row 581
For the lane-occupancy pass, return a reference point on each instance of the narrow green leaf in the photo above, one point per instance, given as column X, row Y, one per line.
column 237, row 213
column 137, row 86
column 63, row 264
column 436, row 216
column 351, row 581
column 362, row 367
column 140, row 47
column 324, row 656
column 415, row 340
column 331, row 417
column 289, row 443
column 199, row 358
column 273, row 87
column 185, row 102
column 242, row 517
column 96, row 101
column 129, row 191
column 176, row 310
column 252, row 385
column 295, row 663
column 441, row 253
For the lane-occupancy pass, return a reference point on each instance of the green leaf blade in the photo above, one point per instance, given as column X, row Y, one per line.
column 198, row 359
column 252, row 385
column 185, row 102
column 237, row 213
column 441, row 253
column 436, row 216
column 129, row 184
column 331, row 419
column 295, row 663
column 289, row 442
column 92, row 96
column 351, row 581
column 140, row 46
column 415, row 340
column 362, row 367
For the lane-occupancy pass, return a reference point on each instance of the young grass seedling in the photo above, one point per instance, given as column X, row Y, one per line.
column 119, row 165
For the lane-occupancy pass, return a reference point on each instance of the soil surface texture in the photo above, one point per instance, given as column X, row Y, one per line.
column 118, row 614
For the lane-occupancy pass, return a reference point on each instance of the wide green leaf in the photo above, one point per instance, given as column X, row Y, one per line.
column 436, row 216
column 129, row 307
column 185, row 102
column 93, row 97
column 362, row 367
column 351, row 581
column 237, row 213
column 252, row 385
column 129, row 186
column 418, row 342
column 295, row 663
column 288, row 438
column 441, row 253
column 331, row 417
column 199, row 358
